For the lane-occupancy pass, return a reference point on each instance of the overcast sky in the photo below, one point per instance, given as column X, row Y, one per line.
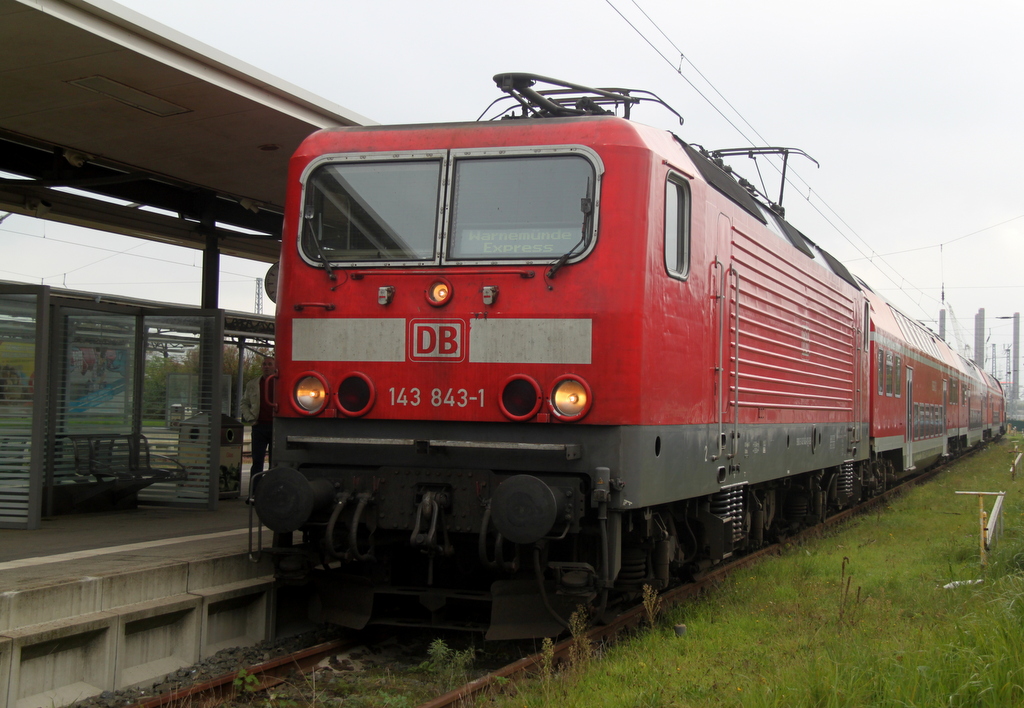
column 913, row 109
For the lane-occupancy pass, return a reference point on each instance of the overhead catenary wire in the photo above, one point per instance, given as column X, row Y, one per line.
column 952, row 240
column 874, row 258
column 757, row 133
column 682, row 58
column 113, row 252
column 678, row 70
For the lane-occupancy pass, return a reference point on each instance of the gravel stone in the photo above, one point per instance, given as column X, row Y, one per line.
column 223, row 662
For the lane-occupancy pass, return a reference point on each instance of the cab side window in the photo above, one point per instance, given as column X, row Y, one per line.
column 677, row 226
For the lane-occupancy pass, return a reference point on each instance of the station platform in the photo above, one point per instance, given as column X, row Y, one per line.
column 98, row 602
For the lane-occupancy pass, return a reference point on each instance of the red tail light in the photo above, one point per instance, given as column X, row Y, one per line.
column 356, row 395
column 520, row 398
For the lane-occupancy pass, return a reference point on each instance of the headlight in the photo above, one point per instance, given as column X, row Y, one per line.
column 439, row 292
column 356, row 394
column 310, row 393
column 570, row 398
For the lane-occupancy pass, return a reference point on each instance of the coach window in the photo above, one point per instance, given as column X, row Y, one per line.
column 867, row 325
column 897, row 367
column 881, row 373
column 888, row 373
column 677, row 226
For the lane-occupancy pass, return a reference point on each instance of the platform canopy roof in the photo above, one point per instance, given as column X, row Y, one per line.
column 112, row 121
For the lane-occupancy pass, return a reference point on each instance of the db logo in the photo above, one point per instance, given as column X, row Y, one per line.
column 436, row 340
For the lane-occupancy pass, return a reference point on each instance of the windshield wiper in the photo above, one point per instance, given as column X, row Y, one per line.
column 587, row 207
column 309, row 215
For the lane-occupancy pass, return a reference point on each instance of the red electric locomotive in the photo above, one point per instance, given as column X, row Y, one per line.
column 534, row 363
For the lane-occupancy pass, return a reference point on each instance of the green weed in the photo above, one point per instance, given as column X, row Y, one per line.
column 246, row 682
column 581, row 650
column 452, row 665
column 652, row 605
column 882, row 632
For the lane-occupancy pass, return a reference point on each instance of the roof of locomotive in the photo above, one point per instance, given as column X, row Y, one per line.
column 582, row 130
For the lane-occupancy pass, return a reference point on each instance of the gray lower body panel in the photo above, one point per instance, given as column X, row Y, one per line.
column 657, row 464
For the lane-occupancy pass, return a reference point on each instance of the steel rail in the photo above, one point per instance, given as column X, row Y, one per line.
column 267, row 675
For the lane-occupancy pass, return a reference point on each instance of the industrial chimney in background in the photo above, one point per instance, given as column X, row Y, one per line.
column 979, row 338
column 1015, row 386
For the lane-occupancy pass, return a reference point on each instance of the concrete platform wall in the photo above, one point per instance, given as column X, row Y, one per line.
column 69, row 641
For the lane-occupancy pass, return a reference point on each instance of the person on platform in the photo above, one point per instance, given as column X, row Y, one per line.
column 258, row 411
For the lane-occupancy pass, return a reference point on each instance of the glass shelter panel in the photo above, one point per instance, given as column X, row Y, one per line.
column 181, row 350
column 98, row 377
column 183, row 396
column 20, row 474
column 94, row 404
column 91, row 409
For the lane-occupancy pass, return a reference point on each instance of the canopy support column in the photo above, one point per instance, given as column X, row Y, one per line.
column 211, row 262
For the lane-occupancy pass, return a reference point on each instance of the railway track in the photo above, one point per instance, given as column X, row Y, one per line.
column 266, row 676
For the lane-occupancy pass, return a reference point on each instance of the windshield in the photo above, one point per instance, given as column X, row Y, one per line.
column 378, row 211
column 520, row 208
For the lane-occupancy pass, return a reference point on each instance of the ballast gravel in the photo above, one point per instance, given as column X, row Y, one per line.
column 226, row 661
column 398, row 665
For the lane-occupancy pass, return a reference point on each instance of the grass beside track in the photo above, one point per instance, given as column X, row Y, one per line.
column 857, row 617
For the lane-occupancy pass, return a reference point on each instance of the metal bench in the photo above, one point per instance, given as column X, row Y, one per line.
column 124, row 457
